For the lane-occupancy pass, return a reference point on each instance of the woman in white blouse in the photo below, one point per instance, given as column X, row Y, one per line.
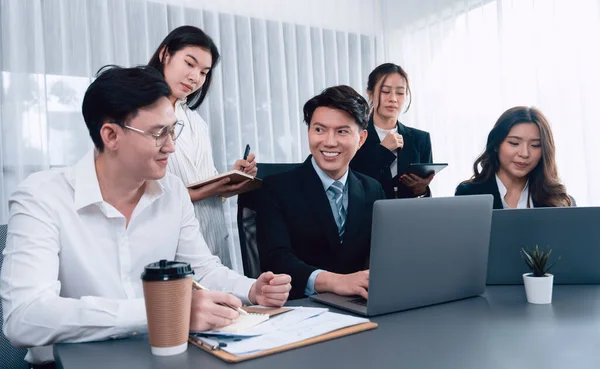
column 186, row 58
column 518, row 166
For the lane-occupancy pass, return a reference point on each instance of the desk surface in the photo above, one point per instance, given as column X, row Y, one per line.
column 498, row 330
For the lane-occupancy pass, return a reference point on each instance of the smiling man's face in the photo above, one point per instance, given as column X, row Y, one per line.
column 334, row 137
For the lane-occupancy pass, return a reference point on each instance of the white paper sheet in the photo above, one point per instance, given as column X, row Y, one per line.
column 314, row 326
column 275, row 323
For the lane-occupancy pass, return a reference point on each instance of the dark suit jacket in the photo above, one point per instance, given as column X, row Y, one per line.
column 296, row 230
column 374, row 160
column 490, row 187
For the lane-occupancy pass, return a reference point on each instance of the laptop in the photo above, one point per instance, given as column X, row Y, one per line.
column 571, row 233
column 423, row 252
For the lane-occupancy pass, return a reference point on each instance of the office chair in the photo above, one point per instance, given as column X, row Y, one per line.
column 10, row 357
column 248, row 205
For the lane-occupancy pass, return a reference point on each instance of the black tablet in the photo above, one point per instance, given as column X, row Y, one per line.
column 424, row 170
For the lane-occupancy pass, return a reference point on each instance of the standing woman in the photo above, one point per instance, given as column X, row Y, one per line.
column 391, row 146
column 186, row 58
column 518, row 166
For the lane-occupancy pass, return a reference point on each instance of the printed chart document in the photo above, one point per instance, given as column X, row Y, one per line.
column 299, row 324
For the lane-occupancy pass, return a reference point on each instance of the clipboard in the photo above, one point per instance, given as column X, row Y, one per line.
column 230, row 358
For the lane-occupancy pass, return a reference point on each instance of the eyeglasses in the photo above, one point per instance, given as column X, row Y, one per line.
column 161, row 136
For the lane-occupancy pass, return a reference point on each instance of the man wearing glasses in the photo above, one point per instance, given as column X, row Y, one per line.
column 79, row 237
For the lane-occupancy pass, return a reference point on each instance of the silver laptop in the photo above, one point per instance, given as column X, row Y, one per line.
column 571, row 233
column 423, row 252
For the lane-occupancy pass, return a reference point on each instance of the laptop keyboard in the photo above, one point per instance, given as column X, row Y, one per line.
column 359, row 301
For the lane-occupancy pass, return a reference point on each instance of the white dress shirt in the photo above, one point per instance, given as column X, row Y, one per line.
column 524, row 200
column 193, row 162
column 72, row 267
column 382, row 133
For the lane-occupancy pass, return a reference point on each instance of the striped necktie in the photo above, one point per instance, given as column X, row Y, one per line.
column 337, row 192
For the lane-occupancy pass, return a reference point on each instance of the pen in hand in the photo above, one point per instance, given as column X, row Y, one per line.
column 198, row 286
column 246, row 152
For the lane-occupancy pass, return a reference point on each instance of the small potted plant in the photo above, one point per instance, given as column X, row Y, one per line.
column 538, row 283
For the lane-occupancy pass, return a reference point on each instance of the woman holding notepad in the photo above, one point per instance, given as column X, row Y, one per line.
column 186, row 58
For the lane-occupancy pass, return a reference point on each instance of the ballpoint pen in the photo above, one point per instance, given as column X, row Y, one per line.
column 209, row 343
column 247, row 152
column 213, row 342
column 198, row 286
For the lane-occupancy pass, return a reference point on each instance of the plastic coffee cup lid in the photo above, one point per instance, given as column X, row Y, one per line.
column 166, row 270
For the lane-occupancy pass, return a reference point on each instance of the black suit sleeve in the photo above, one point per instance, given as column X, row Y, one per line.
column 383, row 157
column 381, row 195
column 426, row 152
column 462, row 190
column 372, row 158
column 274, row 244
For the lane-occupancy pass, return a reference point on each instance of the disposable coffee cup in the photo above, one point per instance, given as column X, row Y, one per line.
column 168, row 298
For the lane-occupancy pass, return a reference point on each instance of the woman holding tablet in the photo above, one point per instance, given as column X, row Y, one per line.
column 518, row 166
column 186, row 58
column 391, row 146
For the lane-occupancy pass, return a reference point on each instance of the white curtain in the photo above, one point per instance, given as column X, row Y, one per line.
column 50, row 49
column 469, row 61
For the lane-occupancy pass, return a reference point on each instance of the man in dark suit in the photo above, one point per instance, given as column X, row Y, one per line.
column 315, row 221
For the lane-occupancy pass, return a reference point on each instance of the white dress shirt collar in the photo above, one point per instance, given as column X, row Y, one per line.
column 325, row 178
column 84, row 181
column 523, row 200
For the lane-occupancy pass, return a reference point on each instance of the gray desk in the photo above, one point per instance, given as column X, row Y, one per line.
column 498, row 330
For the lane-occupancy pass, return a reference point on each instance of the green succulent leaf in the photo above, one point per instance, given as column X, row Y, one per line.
column 537, row 260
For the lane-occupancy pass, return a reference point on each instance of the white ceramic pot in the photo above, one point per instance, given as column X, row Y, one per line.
column 538, row 289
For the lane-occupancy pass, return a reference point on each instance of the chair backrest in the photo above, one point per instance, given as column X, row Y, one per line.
column 11, row 358
column 248, row 206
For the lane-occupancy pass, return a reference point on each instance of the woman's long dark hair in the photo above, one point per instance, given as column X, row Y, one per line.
column 544, row 184
column 383, row 71
column 182, row 37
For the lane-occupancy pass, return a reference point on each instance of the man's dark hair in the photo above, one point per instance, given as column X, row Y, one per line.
column 343, row 98
column 117, row 94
